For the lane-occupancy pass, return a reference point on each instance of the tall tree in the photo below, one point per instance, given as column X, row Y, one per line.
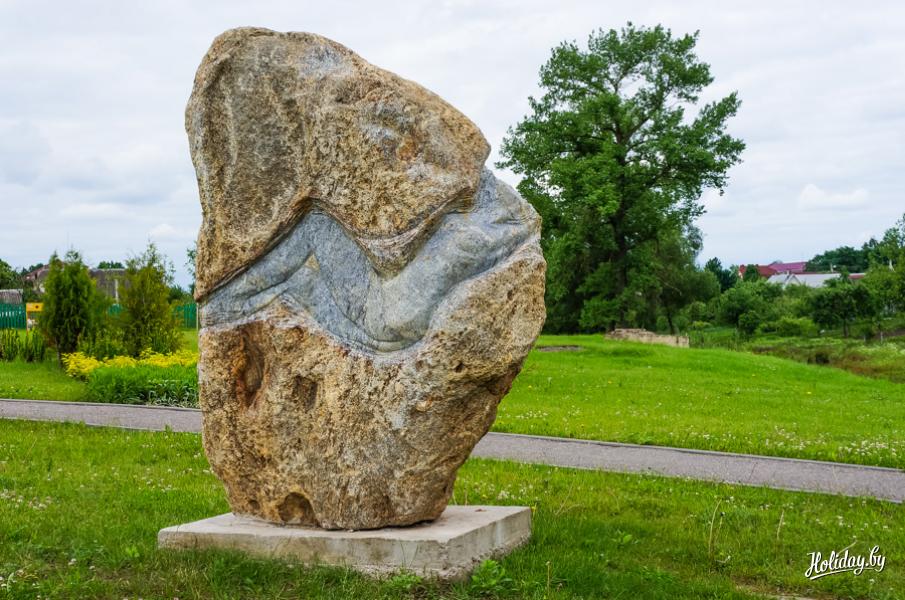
column 9, row 279
column 613, row 159
column 191, row 255
column 680, row 280
column 751, row 273
column 727, row 277
column 886, row 275
column 74, row 309
column 147, row 319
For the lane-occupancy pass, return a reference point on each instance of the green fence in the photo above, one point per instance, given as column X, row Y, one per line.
column 12, row 316
column 187, row 314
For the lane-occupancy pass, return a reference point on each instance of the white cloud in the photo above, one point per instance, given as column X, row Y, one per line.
column 91, row 115
column 717, row 204
column 100, row 211
column 23, row 152
column 814, row 198
column 165, row 231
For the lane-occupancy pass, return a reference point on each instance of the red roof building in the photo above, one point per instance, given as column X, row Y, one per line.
column 777, row 268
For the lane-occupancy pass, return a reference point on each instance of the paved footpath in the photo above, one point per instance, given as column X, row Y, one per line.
column 745, row 469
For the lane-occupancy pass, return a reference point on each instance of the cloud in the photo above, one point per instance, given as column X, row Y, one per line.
column 165, row 231
column 98, row 211
column 717, row 204
column 92, row 110
column 813, row 198
column 23, row 152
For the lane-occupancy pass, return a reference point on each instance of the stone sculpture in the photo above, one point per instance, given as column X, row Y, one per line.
column 368, row 289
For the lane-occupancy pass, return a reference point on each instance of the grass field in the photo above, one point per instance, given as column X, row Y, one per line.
column 710, row 399
column 80, row 508
column 707, row 399
column 874, row 358
column 38, row 381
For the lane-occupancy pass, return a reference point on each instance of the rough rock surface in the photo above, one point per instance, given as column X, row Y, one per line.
column 368, row 290
column 282, row 122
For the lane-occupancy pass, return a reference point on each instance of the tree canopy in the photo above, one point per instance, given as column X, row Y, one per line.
column 147, row 319
column 9, row 279
column 110, row 264
column 74, row 309
column 615, row 158
column 843, row 258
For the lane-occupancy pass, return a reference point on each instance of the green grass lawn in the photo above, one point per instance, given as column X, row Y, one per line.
column 80, row 508
column 708, row 399
column 38, row 381
column 712, row 399
column 881, row 359
column 190, row 339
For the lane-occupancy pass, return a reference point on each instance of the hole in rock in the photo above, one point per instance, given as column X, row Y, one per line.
column 296, row 509
column 252, row 372
column 304, row 391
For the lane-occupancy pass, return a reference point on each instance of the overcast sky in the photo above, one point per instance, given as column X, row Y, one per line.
column 93, row 154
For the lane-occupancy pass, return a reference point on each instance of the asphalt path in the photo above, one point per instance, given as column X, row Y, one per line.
column 744, row 469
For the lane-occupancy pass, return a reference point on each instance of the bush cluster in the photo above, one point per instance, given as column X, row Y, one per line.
column 30, row 347
column 76, row 314
column 80, row 365
column 145, row 384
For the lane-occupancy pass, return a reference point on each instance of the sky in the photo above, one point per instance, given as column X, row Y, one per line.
column 94, row 156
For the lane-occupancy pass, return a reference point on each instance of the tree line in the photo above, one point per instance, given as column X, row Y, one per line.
column 76, row 314
column 753, row 305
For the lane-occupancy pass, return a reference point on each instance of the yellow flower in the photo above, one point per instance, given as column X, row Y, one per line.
column 80, row 366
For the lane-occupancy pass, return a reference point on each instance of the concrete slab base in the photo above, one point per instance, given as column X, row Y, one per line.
column 448, row 548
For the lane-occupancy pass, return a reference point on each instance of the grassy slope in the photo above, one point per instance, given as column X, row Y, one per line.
column 80, row 508
column 708, row 399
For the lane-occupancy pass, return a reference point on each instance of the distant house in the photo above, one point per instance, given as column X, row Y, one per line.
column 108, row 281
column 37, row 278
column 794, row 273
column 10, row 296
column 775, row 268
column 814, row 280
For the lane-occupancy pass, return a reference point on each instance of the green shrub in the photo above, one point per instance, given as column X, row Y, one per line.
column 106, row 343
column 792, row 327
column 30, row 346
column 33, row 347
column 866, row 331
column 748, row 322
column 9, row 344
column 73, row 306
column 698, row 311
column 147, row 319
column 164, row 386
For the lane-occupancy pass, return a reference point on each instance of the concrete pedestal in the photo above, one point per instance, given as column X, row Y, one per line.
column 448, row 548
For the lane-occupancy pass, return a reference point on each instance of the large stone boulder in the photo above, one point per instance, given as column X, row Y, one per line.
column 368, row 289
